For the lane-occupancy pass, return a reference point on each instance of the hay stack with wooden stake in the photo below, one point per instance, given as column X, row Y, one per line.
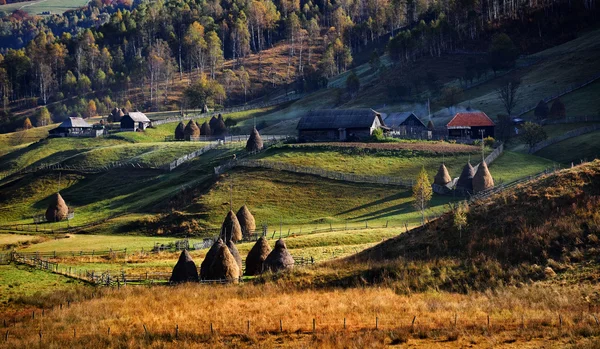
column 205, row 272
column 180, row 131
column 57, row 209
column 205, row 129
column 280, row 258
column 191, row 130
column 231, row 229
column 255, row 142
column 224, row 266
column 465, row 181
column 236, row 255
column 185, row 269
column 246, row 220
column 257, row 256
column 483, row 178
column 442, row 177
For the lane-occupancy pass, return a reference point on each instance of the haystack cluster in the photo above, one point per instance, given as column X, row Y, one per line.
column 222, row 262
column 57, row 209
column 469, row 180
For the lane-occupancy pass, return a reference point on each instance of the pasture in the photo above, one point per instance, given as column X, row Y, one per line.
column 36, row 7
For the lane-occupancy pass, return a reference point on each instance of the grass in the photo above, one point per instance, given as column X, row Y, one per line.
column 19, row 138
column 80, row 242
column 14, row 239
column 36, row 7
column 511, row 166
column 584, row 147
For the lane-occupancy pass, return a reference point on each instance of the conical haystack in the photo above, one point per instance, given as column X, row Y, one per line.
column 255, row 142
column 57, row 210
column 231, row 230
column 257, row 256
column 236, row 255
column 558, row 109
column 205, row 129
column 191, row 130
column 185, row 269
column 219, row 128
column 213, row 122
column 205, row 272
column 224, row 266
column 180, row 132
column 442, row 177
column 483, row 178
column 279, row 259
column 246, row 220
column 430, row 125
column 465, row 181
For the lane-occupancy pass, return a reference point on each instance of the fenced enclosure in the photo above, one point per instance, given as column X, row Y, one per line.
column 564, row 136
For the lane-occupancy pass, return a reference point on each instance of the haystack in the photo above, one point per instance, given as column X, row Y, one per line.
column 442, row 177
column 558, row 109
column 257, row 256
column 430, row 125
column 246, row 220
column 483, row 178
column 465, row 181
column 180, row 131
column 205, row 129
column 205, row 272
column 231, row 230
column 236, row 255
column 224, row 266
column 219, row 128
column 57, row 210
column 255, row 142
column 279, row 259
column 191, row 130
column 213, row 122
column 185, row 269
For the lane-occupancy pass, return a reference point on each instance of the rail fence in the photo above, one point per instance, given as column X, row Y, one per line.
column 564, row 136
column 571, row 120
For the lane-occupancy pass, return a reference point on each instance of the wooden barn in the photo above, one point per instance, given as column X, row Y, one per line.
column 134, row 121
column 75, row 127
column 339, row 125
column 470, row 125
column 405, row 123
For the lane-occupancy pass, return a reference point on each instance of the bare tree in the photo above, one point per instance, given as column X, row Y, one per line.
column 509, row 95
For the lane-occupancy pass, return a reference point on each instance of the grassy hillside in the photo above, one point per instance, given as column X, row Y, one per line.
column 585, row 147
column 36, row 7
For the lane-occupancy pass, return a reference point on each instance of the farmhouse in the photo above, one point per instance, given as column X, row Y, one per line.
column 339, row 125
column 405, row 123
column 134, row 121
column 470, row 125
column 75, row 127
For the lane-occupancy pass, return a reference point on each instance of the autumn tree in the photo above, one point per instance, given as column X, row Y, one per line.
column 204, row 92
column 197, row 45
column 422, row 193
column 214, row 52
column 27, row 124
column 43, row 117
column 532, row 134
column 244, row 80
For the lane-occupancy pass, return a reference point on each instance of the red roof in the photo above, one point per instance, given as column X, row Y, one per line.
column 470, row 119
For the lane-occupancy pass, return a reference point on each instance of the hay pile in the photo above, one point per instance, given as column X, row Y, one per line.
column 231, row 229
column 246, row 220
column 180, row 131
column 218, row 127
column 57, row 209
column 279, row 259
column 191, row 130
column 224, row 266
column 442, row 177
column 465, row 181
column 205, row 129
column 257, row 256
column 255, row 142
column 483, row 178
column 185, row 269
column 205, row 267
column 212, row 123
column 116, row 115
column 558, row 109
column 236, row 255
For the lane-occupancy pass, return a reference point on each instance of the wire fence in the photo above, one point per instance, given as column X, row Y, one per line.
column 564, row 136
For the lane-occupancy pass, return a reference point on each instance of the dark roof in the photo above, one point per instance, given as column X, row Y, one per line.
column 74, row 122
column 138, row 116
column 339, row 118
column 471, row 119
column 396, row 119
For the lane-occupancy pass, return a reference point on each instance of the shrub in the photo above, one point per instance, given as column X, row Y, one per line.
column 489, row 141
column 377, row 135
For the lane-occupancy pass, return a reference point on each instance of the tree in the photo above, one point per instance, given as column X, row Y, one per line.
column 532, row 134
column 197, row 45
column 43, row 117
column 460, row 216
column 502, row 53
column 504, row 128
column 352, row 83
column 422, row 193
column 204, row 92
column 214, row 51
column 91, row 109
column 451, row 96
column 27, row 124
column 541, row 110
column 509, row 95
column 374, row 61
column 244, row 79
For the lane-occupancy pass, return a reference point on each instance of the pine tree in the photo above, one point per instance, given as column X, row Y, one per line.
column 422, row 193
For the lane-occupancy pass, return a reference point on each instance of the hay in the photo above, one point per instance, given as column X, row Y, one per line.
column 219, row 128
column 205, row 272
column 442, row 177
column 246, row 220
column 231, row 230
column 483, row 178
column 212, row 123
column 179, row 131
column 279, row 259
column 57, row 209
column 465, row 181
column 224, row 266
column 257, row 256
column 191, row 130
column 255, row 142
column 558, row 109
column 205, row 129
column 236, row 255
column 185, row 269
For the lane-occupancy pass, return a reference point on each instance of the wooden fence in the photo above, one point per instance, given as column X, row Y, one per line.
column 571, row 120
column 564, row 136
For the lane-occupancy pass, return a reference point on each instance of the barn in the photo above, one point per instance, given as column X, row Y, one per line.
column 134, row 121
column 75, row 127
column 405, row 123
column 339, row 125
column 470, row 125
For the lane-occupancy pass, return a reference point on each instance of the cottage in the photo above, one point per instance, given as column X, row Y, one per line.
column 470, row 125
column 134, row 121
column 340, row 125
column 405, row 123
column 75, row 127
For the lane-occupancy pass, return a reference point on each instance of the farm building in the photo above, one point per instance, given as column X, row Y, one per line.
column 470, row 125
column 75, row 127
column 405, row 123
column 340, row 125
column 134, row 121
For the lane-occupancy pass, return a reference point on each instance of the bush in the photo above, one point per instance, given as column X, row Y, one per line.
column 489, row 141
column 377, row 135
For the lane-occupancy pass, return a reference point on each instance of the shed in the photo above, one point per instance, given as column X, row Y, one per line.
column 471, row 125
column 73, row 127
column 405, row 123
column 134, row 121
column 339, row 125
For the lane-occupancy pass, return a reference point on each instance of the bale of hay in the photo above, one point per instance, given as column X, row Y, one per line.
column 231, row 229
column 213, row 122
column 430, row 125
column 246, row 220
column 236, row 255
column 257, row 256
column 205, row 129
column 255, row 142
column 224, row 266
column 483, row 178
column 279, row 259
column 180, row 131
column 57, row 209
column 558, row 109
column 185, row 269
column 205, row 272
column 442, row 177
column 541, row 110
column 191, row 130
column 465, row 181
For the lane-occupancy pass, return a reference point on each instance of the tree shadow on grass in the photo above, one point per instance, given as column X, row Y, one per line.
column 402, row 195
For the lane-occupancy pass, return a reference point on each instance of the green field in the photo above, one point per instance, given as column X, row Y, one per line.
column 585, row 147
column 36, row 7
